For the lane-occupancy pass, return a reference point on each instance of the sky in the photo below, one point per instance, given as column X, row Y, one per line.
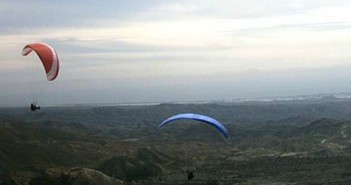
column 118, row 51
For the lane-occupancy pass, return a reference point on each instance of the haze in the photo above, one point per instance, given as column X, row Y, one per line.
column 116, row 51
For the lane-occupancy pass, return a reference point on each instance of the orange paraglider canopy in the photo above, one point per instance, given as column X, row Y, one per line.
column 48, row 57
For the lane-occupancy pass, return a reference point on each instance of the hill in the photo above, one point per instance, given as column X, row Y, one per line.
column 295, row 143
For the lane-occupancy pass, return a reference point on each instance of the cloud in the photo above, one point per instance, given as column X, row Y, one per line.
column 190, row 47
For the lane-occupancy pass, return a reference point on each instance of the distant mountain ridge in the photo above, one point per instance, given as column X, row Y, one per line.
column 241, row 113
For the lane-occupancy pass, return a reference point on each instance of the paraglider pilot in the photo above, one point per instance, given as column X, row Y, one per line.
column 34, row 107
column 190, row 175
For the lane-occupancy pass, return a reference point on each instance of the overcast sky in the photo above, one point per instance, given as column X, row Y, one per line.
column 114, row 51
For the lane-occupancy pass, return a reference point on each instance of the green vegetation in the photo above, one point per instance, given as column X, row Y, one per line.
column 292, row 143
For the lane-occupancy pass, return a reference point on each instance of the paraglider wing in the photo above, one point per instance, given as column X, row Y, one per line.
column 48, row 57
column 219, row 126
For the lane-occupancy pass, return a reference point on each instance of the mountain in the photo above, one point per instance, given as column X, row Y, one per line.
column 292, row 143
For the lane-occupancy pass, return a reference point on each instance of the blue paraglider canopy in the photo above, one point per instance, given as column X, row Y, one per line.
column 198, row 117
